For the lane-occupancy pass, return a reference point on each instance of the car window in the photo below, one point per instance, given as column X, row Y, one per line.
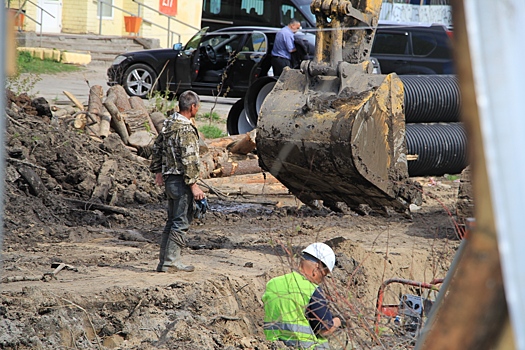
column 390, row 43
column 423, row 43
column 443, row 48
column 255, row 43
column 222, row 43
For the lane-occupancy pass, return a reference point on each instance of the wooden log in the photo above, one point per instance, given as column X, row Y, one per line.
column 158, row 120
column 105, row 180
column 86, row 122
column 20, row 279
column 120, row 97
column 244, row 145
column 80, row 121
column 117, row 121
column 105, row 124
column 249, row 184
column 73, row 99
column 207, row 165
column 141, row 139
column 95, row 106
column 223, row 142
column 260, row 178
column 137, row 120
column 139, row 128
column 138, row 104
column 230, row 168
column 220, row 156
column 63, row 112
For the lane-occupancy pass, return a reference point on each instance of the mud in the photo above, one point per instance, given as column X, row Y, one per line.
column 113, row 299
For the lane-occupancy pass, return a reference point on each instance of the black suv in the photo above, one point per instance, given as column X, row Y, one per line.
column 229, row 60
column 223, row 62
column 413, row 49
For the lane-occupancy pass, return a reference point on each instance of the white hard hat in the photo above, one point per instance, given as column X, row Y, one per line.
column 322, row 252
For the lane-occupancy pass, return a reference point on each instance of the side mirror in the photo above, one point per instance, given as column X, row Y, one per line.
column 177, row 46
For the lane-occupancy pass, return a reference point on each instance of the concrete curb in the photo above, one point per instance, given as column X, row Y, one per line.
column 69, row 57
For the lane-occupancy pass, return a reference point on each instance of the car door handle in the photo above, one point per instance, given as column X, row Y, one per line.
column 400, row 62
column 256, row 56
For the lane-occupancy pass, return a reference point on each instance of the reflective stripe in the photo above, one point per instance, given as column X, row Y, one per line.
column 295, row 328
column 305, row 344
column 300, row 344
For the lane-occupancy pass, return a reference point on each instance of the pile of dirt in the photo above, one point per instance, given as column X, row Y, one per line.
column 93, row 205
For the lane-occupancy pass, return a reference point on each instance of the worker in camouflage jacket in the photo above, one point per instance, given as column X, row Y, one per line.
column 175, row 164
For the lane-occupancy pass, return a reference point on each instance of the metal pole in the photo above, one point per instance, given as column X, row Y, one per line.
column 41, row 22
column 169, row 37
column 100, row 4
column 140, row 15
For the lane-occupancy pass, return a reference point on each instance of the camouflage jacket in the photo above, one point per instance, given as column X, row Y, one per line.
column 176, row 149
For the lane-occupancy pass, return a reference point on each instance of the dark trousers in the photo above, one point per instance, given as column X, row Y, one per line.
column 180, row 215
column 278, row 64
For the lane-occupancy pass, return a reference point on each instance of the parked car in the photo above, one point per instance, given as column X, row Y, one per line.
column 223, row 62
column 229, row 60
column 413, row 48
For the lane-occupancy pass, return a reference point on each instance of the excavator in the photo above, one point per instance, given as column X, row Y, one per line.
column 334, row 132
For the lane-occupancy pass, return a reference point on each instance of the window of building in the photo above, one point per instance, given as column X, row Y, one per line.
column 106, row 9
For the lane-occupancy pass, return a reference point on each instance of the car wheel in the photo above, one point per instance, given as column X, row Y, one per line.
column 139, row 80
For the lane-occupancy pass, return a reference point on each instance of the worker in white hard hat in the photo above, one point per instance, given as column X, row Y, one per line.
column 296, row 310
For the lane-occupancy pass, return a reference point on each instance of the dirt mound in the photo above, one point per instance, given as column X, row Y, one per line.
column 92, row 204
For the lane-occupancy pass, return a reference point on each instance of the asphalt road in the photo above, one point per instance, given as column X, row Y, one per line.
column 52, row 87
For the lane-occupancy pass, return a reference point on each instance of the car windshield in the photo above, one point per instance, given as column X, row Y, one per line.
column 193, row 43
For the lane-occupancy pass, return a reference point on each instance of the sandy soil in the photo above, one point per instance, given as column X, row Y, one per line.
column 108, row 295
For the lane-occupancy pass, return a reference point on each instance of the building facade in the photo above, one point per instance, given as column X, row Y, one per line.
column 170, row 21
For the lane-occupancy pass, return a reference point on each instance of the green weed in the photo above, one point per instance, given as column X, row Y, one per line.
column 452, row 177
column 211, row 117
column 28, row 64
column 211, row 131
column 162, row 101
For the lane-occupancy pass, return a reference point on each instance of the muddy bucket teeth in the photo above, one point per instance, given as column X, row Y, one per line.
column 338, row 138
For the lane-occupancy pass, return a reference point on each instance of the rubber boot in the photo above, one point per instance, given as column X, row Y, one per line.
column 172, row 259
column 162, row 252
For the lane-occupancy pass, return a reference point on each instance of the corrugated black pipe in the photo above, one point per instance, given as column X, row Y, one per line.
column 441, row 149
column 431, row 98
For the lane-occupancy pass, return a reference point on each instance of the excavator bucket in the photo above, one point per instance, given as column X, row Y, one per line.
column 333, row 131
column 338, row 139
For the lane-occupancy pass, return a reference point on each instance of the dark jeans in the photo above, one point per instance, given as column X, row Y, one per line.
column 278, row 64
column 180, row 215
